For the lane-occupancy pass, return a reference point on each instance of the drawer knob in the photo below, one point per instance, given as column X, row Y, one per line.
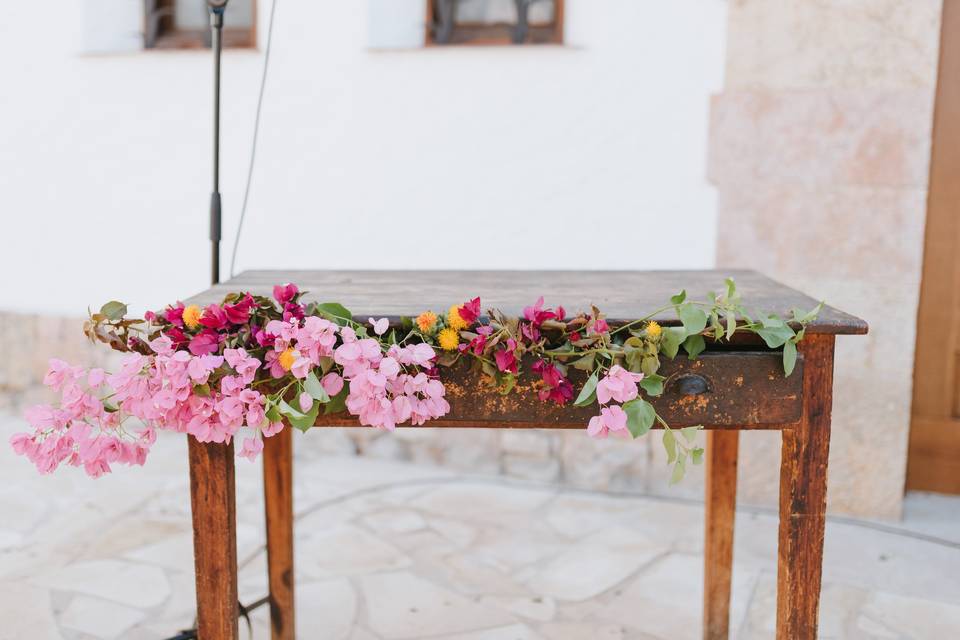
column 692, row 385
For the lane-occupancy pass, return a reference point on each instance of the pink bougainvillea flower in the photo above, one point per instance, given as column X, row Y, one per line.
column 599, row 325
column 536, row 314
column 251, row 448
column 619, row 385
column 207, row 341
column 611, row 419
column 332, row 383
column 379, row 326
column 470, row 311
column 284, row 293
column 306, row 402
column 272, row 429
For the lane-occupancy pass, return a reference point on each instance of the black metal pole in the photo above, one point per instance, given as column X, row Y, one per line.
column 217, row 7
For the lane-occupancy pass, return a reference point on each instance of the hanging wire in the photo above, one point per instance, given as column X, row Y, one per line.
column 256, row 132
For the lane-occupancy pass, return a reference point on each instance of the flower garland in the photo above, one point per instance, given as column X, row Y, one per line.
column 262, row 363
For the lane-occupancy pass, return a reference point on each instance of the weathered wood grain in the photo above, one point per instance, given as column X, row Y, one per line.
column 743, row 388
column 278, row 502
column 803, row 497
column 622, row 295
column 721, row 503
column 213, row 504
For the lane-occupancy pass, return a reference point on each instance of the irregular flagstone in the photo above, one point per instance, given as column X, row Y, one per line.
column 594, row 565
column 99, row 618
column 26, row 613
column 587, row 631
column 486, row 502
column 510, row 632
column 914, row 618
column 665, row 600
column 537, row 608
column 345, row 550
column 402, row 605
column 328, row 609
column 394, row 521
column 136, row 585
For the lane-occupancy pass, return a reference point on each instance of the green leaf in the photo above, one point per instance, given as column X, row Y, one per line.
column 731, row 324
column 649, row 365
column 652, row 384
column 312, row 386
column 694, row 319
column 694, row 345
column 586, row 363
column 507, row 382
column 333, row 311
column 731, row 289
column 697, row 455
column 789, row 357
column 670, row 445
column 670, row 341
column 588, row 395
column 338, row 402
column 690, row 433
column 202, row 390
column 114, row 310
column 273, row 411
column 775, row 336
column 679, row 469
column 679, row 298
column 640, row 416
column 298, row 419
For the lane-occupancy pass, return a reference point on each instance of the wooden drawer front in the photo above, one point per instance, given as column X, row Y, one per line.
column 719, row 389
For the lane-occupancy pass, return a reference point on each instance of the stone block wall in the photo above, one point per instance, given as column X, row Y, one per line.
column 820, row 149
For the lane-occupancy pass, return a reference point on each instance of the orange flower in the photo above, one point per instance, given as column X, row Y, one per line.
column 427, row 321
column 191, row 316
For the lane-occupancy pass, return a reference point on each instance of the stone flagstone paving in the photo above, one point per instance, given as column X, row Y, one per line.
column 393, row 551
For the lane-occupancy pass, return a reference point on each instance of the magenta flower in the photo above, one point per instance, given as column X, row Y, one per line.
column 284, row 293
column 506, row 358
column 174, row 315
column 470, row 311
column 557, row 387
column 207, row 341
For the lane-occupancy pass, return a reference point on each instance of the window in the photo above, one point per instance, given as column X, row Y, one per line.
column 185, row 24
column 483, row 22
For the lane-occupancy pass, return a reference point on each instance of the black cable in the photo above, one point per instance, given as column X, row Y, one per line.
column 256, row 132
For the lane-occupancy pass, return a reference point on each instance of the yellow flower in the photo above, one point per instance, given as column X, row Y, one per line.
column 654, row 329
column 427, row 321
column 454, row 320
column 449, row 339
column 191, row 316
column 287, row 358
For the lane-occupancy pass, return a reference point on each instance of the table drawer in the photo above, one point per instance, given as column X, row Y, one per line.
column 719, row 389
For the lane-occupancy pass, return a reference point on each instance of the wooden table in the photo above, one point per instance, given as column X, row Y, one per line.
column 738, row 386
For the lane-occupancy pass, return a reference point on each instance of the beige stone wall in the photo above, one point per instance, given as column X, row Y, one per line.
column 819, row 150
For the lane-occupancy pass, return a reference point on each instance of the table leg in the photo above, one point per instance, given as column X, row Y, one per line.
column 721, row 502
column 278, row 499
column 803, row 497
column 213, row 503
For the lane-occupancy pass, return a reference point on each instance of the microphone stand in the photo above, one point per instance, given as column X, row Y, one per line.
column 217, row 7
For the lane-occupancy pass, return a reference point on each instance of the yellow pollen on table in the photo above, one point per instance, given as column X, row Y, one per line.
column 287, row 358
column 191, row 316
column 449, row 339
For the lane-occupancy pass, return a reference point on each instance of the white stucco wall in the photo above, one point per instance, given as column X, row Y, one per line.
column 589, row 155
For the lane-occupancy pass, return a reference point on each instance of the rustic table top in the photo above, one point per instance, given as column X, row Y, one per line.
column 621, row 295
